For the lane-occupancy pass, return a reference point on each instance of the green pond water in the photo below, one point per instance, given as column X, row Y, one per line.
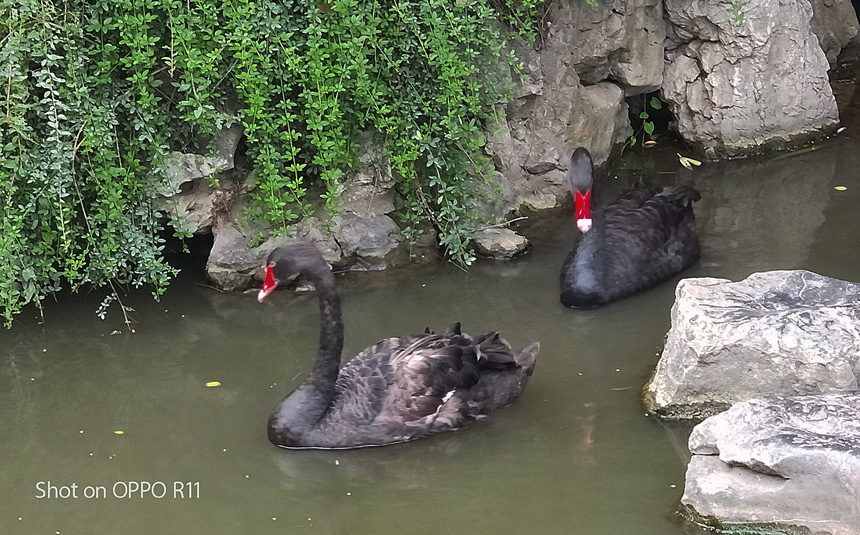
column 576, row 454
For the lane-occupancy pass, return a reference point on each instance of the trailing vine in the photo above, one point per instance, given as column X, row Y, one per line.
column 96, row 93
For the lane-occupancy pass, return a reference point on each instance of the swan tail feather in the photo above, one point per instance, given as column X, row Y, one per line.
column 526, row 358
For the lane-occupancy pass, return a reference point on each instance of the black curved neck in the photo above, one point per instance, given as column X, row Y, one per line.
column 298, row 416
column 327, row 364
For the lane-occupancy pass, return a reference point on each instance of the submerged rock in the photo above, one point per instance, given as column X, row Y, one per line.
column 781, row 464
column 777, row 332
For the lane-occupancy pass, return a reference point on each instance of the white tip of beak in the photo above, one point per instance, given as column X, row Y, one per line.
column 262, row 295
column 584, row 225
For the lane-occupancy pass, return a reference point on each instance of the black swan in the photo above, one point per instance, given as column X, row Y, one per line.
column 631, row 244
column 397, row 390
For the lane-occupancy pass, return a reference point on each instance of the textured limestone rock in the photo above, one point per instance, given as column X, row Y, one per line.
column 361, row 237
column 739, row 78
column 591, row 58
column 369, row 191
column 499, row 243
column 835, row 24
column 616, row 40
column 231, row 263
column 778, row 332
column 189, row 194
column 235, row 266
column 778, row 464
column 370, row 240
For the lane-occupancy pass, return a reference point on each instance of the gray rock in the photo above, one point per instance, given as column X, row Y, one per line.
column 312, row 230
column 195, row 210
column 620, row 40
column 232, row 264
column 361, row 237
column 780, row 464
column 532, row 148
column 196, row 188
column 369, row 190
column 371, row 240
column 235, row 266
column 835, row 24
column 573, row 95
column 180, row 167
column 734, row 83
column 499, row 243
column 778, row 332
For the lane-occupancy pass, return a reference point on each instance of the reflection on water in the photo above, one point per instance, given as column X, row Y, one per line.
column 574, row 455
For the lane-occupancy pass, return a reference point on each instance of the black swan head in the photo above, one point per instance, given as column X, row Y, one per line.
column 581, row 179
column 287, row 262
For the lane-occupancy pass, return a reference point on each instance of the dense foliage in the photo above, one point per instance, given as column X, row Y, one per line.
column 97, row 92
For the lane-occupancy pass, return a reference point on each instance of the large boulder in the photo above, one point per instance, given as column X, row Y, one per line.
column 835, row 24
column 362, row 236
column 590, row 59
column 742, row 76
column 231, row 264
column 619, row 40
column 778, row 332
column 369, row 191
column 778, row 465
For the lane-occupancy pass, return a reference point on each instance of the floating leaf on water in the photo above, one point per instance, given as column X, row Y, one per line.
column 840, row 129
column 119, row 432
column 688, row 162
column 211, row 384
column 840, row 188
column 650, row 143
column 693, row 161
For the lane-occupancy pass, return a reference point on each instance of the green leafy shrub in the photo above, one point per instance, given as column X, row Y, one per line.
column 98, row 92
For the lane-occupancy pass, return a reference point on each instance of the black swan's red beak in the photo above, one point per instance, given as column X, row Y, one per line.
column 269, row 284
column 583, row 210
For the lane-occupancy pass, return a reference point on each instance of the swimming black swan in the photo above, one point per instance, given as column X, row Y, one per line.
column 397, row 390
column 631, row 244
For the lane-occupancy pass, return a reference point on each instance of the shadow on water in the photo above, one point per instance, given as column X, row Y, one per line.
column 574, row 455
